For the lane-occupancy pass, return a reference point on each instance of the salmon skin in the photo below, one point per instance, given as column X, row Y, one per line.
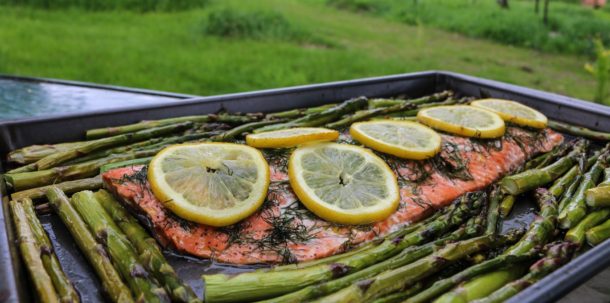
column 284, row 231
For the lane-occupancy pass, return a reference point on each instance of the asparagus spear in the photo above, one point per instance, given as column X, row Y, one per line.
column 118, row 150
column 152, row 143
column 493, row 213
column 295, row 113
column 316, row 119
column 149, row 253
column 482, row 286
column 576, row 209
column 403, row 118
column 34, row 153
column 232, row 133
column 539, row 161
column 506, row 205
column 557, row 255
column 31, row 254
column 369, row 113
column 397, row 106
column 93, row 251
column 546, row 158
column 63, row 286
column 405, row 257
column 401, row 295
column 579, row 131
column 407, row 114
column 576, row 234
column 262, row 285
column 442, row 286
column 562, row 184
column 476, row 224
column 537, row 235
column 598, row 233
column 67, row 187
column 399, row 278
column 86, row 148
column 600, row 195
column 332, row 259
column 569, row 193
column 98, row 133
column 133, row 162
column 22, row 181
column 120, row 250
column 377, row 103
column 533, row 178
column 131, row 128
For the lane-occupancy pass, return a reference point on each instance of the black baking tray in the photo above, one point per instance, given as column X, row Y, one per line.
column 16, row 134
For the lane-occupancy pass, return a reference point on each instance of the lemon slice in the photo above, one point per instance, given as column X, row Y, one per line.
column 463, row 120
column 216, row 184
column 343, row 183
column 403, row 139
column 291, row 137
column 514, row 112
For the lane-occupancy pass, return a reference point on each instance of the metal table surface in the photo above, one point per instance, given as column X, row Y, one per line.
column 22, row 97
column 25, row 97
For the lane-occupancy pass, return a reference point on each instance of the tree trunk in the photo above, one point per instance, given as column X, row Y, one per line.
column 546, row 12
column 537, row 6
column 503, row 3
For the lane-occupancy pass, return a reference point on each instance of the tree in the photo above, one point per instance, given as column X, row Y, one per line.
column 536, row 6
column 503, row 3
column 545, row 17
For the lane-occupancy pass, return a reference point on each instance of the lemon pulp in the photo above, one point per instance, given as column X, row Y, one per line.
column 216, row 184
column 343, row 183
column 409, row 140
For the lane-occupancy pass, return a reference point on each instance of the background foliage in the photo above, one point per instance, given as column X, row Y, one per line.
column 212, row 46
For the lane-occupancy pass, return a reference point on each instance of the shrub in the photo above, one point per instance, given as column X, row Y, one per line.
column 256, row 25
column 601, row 71
column 366, row 6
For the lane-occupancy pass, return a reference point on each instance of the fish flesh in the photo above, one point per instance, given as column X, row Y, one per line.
column 284, row 231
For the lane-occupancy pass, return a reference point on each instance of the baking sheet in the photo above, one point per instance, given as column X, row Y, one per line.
column 15, row 134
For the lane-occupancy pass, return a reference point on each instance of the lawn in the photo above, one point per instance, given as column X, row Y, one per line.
column 179, row 51
column 570, row 27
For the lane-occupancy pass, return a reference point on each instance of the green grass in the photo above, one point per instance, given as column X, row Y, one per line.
column 95, row 5
column 174, row 51
column 570, row 29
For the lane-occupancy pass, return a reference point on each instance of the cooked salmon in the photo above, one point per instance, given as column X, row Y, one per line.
column 283, row 231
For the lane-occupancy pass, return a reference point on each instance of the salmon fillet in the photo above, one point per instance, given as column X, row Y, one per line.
column 283, row 231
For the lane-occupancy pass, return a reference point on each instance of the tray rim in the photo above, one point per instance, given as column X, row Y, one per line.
column 561, row 100
column 548, row 289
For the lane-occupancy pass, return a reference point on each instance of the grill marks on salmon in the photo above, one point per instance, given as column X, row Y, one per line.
column 284, row 231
